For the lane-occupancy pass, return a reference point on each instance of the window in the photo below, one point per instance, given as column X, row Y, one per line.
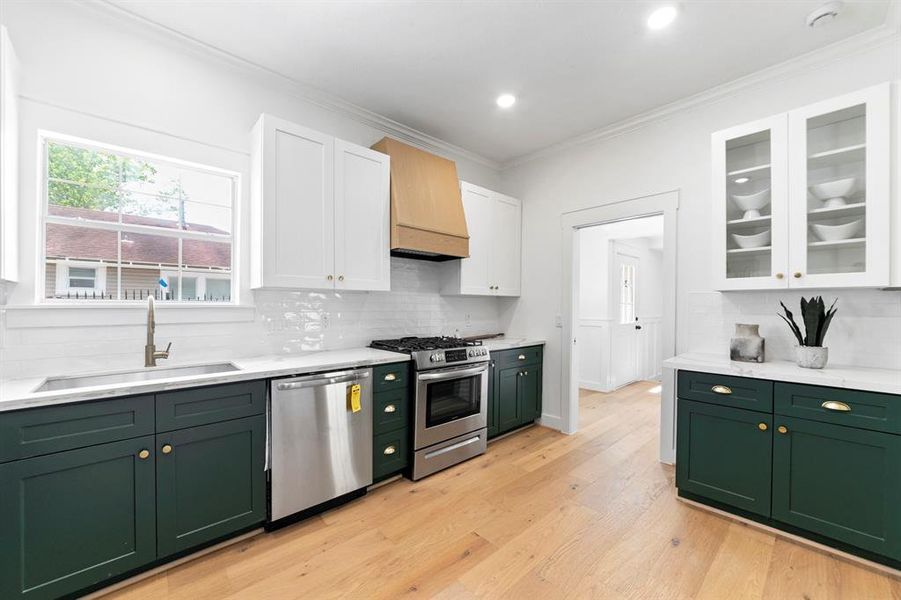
column 122, row 225
column 627, row 295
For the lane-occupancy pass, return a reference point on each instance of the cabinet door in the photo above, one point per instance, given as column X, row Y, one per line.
column 492, row 401
column 74, row 519
column 362, row 218
column 296, row 200
column 839, row 191
column 507, row 245
column 506, row 398
column 530, row 394
column 210, row 482
column 475, row 271
column 840, row 482
column 750, row 205
column 725, row 454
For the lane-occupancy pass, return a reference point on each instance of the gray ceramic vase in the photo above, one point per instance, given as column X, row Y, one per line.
column 747, row 345
column 812, row 357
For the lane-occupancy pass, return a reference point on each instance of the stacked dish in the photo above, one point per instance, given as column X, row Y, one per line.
column 834, row 193
column 752, row 203
column 755, row 240
column 835, row 233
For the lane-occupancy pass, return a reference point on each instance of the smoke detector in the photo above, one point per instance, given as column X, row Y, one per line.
column 825, row 13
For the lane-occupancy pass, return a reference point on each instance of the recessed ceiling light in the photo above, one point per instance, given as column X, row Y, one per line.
column 662, row 17
column 742, row 180
column 506, row 100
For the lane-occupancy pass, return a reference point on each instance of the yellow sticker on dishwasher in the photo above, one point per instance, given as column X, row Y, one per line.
column 355, row 398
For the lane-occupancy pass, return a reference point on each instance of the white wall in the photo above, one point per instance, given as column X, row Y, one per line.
column 88, row 73
column 674, row 154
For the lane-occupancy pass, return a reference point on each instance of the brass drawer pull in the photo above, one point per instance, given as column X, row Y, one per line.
column 167, row 448
column 144, row 454
column 390, row 377
column 390, row 408
column 389, row 450
column 836, row 406
column 521, row 357
column 762, row 426
column 721, row 389
column 782, row 429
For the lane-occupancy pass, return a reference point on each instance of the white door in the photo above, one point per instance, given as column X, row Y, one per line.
column 750, row 205
column 298, row 206
column 839, row 191
column 475, row 273
column 624, row 364
column 507, row 246
column 362, row 219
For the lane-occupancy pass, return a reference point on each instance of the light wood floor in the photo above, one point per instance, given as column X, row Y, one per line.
column 541, row 515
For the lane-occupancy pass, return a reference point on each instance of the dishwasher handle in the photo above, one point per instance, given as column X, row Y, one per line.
column 324, row 379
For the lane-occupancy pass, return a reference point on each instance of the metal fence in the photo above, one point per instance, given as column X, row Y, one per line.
column 135, row 294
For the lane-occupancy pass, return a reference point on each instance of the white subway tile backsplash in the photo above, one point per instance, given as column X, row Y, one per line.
column 286, row 322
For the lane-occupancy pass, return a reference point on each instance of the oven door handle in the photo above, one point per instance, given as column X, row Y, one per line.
column 452, row 374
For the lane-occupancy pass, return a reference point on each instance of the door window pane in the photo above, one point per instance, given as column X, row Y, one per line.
column 627, row 295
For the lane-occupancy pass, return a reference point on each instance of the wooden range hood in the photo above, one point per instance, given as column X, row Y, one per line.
column 427, row 218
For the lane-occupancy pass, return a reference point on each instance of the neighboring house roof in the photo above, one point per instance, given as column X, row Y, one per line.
column 82, row 243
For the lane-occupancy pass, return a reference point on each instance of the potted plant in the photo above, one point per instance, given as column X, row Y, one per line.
column 811, row 353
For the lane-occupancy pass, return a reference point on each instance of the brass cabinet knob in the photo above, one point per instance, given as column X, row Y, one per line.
column 167, row 448
column 526, row 373
column 329, row 277
column 521, row 357
column 340, row 277
column 390, row 408
column 836, row 406
column 144, row 454
column 780, row 275
column 797, row 275
column 390, row 377
column 782, row 429
column 721, row 389
column 762, row 426
column 389, row 450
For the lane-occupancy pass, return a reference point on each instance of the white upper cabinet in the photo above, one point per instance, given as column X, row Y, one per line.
column 319, row 211
column 493, row 268
column 9, row 153
column 801, row 199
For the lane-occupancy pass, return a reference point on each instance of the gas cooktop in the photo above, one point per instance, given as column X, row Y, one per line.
column 415, row 344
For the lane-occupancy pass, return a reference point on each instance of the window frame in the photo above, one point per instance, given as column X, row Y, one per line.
column 63, row 277
column 44, row 218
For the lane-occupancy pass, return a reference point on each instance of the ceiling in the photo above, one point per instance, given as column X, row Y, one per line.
column 575, row 66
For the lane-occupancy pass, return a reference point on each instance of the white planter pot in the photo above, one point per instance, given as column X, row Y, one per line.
column 812, row 357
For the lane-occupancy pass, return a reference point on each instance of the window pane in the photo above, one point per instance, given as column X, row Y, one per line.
column 144, row 256
column 218, row 290
column 82, row 201
column 216, row 256
column 209, row 218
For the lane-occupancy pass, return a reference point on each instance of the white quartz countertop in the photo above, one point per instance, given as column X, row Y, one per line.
column 19, row 393
column 506, row 343
column 857, row 378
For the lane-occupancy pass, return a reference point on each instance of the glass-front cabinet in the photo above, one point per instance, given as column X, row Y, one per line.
column 801, row 199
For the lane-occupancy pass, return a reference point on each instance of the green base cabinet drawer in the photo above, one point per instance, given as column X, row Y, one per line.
column 852, row 408
column 390, row 410
column 390, row 377
column 726, row 390
column 74, row 519
column 725, row 454
column 389, row 453
column 45, row 430
column 839, row 482
column 210, row 482
column 204, row 405
column 529, row 355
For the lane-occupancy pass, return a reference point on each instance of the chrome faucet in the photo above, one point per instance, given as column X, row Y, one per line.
column 150, row 351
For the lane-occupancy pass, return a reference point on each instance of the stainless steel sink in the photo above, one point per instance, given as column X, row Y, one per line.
column 148, row 374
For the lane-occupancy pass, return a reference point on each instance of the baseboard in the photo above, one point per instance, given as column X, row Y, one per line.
column 551, row 422
column 594, row 386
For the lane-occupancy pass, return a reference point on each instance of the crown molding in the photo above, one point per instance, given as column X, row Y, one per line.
column 296, row 88
column 888, row 32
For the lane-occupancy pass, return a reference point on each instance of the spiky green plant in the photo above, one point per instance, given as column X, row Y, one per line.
column 816, row 320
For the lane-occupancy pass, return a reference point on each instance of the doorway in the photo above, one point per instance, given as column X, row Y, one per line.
column 628, row 239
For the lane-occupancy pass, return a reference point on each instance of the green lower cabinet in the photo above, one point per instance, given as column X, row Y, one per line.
column 530, row 394
column 839, row 482
column 76, row 518
column 506, row 399
column 725, row 454
column 514, row 397
column 492, row 403
column 210, row 482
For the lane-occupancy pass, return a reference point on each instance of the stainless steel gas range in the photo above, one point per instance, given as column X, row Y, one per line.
column 450, row 401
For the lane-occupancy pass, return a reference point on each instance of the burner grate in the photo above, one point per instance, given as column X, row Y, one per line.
column 413, row 344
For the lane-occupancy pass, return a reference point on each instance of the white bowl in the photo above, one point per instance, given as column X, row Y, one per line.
column 834, row 233
column 833, row 193
column 752, row 203
column 756, row 240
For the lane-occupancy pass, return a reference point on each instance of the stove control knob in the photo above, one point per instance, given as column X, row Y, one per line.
column 434, row 358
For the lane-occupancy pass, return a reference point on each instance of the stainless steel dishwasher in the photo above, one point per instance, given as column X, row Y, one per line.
column 320, row 442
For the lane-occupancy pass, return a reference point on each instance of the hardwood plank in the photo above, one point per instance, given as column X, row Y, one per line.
column 540, row 515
